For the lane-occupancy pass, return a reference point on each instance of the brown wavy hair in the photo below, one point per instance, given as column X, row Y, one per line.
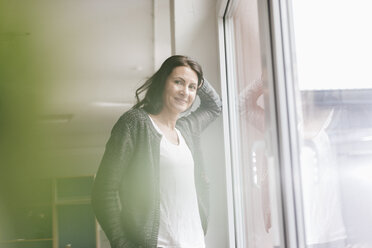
column 154, row 86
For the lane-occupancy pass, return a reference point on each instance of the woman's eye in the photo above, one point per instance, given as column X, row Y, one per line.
column 177, row 82
column 193, row 87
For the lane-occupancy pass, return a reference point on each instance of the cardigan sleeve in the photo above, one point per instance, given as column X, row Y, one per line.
column 105, row 200
column 209, row 109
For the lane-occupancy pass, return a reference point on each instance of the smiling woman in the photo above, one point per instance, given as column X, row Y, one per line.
column 152, row 163
column 179, row 94
column 180, row 90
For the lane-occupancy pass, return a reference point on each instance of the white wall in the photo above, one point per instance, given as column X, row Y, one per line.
column 195, row 35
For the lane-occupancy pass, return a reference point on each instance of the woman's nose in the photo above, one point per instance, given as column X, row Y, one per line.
column 184, row 91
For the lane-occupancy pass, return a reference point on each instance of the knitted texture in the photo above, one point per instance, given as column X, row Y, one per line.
column 125, row 196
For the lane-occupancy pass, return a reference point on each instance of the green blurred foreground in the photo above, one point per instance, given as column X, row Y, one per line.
column 22, row 77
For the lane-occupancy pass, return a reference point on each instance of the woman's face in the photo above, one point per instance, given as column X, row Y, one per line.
column 180, row 90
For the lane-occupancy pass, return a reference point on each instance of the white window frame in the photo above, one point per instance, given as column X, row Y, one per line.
column 233, row 213
column 288, row 140
column 277, row 45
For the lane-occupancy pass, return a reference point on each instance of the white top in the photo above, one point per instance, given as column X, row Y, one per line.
column 180, row 224
column 321, row 193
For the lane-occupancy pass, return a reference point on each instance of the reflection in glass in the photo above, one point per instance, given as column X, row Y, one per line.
column 335, row 121
column 320, row 179
column 257, row 170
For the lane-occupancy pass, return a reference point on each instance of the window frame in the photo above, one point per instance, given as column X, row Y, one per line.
column 277, row 45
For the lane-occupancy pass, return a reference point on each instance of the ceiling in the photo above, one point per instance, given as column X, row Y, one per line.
column 83, row 59
column 96, row 54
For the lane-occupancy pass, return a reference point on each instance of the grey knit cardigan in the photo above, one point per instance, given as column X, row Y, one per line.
column 125, row 195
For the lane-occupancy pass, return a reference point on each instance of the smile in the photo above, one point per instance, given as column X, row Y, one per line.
column 181, row 101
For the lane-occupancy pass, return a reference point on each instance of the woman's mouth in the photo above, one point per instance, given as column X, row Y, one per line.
column 182, row 101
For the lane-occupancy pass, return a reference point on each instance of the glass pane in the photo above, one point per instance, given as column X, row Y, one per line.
column 76, row 226
column 259, row 200
column 333, row 51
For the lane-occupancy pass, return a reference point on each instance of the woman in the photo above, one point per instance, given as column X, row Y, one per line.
column 150, row 189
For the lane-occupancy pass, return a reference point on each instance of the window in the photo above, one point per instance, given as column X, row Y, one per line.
column 252, row 127
column 334, row 118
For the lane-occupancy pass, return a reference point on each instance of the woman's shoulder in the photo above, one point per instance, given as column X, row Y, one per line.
column 132, row 118
column 134, row 115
